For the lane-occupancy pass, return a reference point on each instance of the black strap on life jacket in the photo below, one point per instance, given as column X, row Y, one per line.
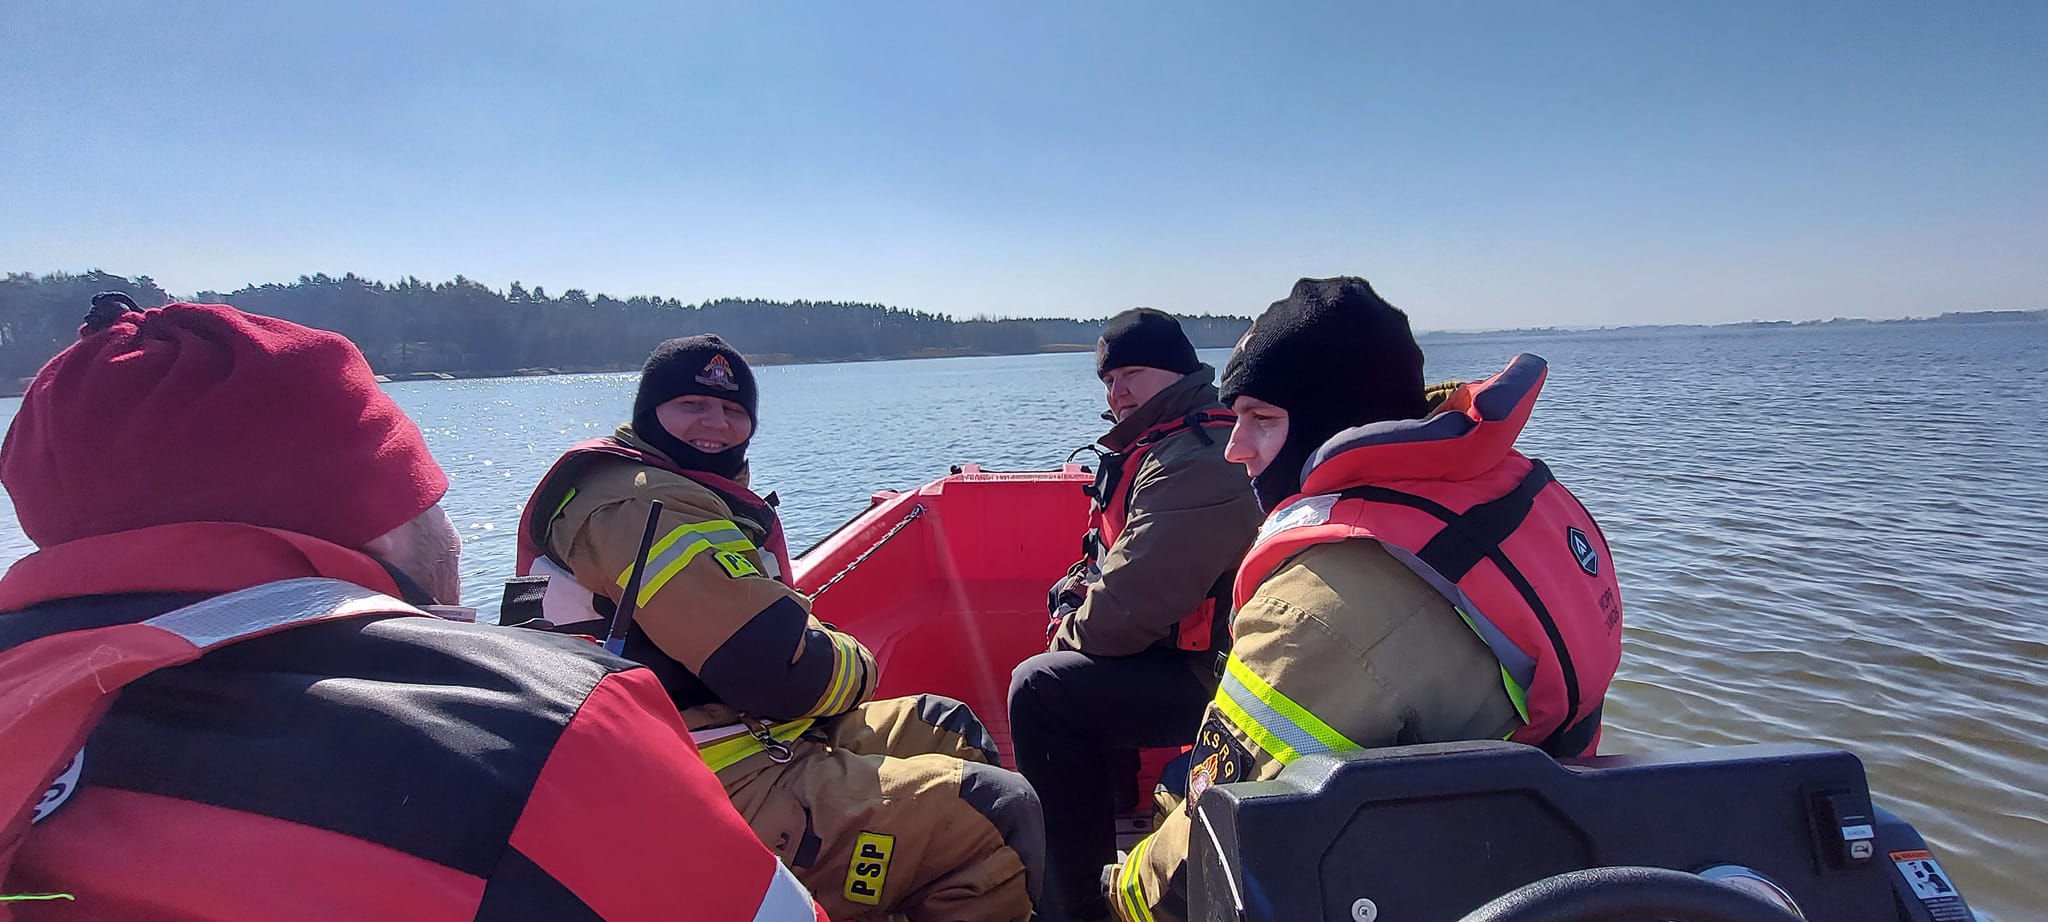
column 1573, row 741
column 1110, row 471
column 1476, row 535
column 1197, row 420
column 1200, row 420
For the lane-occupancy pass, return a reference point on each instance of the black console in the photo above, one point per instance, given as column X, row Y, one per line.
column 1430, row 833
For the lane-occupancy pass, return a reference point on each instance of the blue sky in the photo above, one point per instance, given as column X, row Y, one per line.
column 1485, row 164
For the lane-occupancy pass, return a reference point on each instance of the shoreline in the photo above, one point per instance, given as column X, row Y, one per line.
column 760, row 361
column 1973, row 318
column 1953, row 318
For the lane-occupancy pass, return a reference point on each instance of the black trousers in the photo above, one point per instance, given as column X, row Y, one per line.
column 1071, row 716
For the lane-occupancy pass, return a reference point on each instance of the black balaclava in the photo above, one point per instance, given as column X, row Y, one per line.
column 1143, row 336
column 701, row 364
column 1333, row 355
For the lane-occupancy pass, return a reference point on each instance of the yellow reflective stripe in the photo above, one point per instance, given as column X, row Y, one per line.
column 716, row 532
column 1267, row 742
column 853, row 670
column 682, row 559
column 725, row 753
column 845, row 675
column 564, row 504
column 1516, row 693
column 830, row 699
column 1283, row 728
column 668, row 557
column 1129, row 891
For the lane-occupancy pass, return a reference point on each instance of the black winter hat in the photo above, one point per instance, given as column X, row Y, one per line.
column 701, row 364
column 1333, row 355
column 1143, row 336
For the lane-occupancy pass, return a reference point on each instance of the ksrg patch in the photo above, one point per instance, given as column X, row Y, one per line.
column 1218, row 758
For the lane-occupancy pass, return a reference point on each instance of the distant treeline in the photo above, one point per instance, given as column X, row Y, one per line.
column 462, row 327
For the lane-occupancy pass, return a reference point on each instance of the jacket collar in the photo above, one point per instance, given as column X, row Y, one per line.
column 1470, row 432
column 626, row 436
column 200, row 557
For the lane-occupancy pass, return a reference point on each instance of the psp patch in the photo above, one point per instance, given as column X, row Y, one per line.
column 736, row 564
column 869, row 872
column 1218, row 758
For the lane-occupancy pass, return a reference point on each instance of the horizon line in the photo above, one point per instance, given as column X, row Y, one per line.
column 984, row 318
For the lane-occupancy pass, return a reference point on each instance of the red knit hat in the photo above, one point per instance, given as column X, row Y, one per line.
column 202, row 413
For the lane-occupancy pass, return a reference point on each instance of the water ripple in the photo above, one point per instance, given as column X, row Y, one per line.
column 1831, row 536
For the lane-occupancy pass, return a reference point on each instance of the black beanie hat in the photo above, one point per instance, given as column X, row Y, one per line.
column 1333, row 355
column 703, row 365
column 1143, row 336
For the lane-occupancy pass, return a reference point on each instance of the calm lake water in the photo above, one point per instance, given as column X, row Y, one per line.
column 1830, row 535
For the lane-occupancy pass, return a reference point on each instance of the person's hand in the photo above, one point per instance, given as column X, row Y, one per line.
column 1068, row 591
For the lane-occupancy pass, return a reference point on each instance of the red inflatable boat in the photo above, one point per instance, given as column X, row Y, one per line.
column 946, row 584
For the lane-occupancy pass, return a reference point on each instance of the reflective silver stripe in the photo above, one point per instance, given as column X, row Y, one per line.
column 1285, row 730
column 1302, row 513
column 1520, row 666
column 786, row 900
column 705, row 736
column 227, row 618
column 718, row 533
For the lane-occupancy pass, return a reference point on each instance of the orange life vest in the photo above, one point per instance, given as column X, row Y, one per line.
column 1208, row 626
column 1513, row 551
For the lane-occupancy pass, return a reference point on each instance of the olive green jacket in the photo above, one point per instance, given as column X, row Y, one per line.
column 1192, row 517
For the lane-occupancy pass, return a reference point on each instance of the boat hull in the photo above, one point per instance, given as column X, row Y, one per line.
column 946, row 584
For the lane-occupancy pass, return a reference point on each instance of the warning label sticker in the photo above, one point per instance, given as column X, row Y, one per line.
column 1931, row 884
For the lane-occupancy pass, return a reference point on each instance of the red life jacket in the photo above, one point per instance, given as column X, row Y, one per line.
column 55, row 690
column 538, row 518
column 61, row 685
column 1512, row 550
column 1208, row 626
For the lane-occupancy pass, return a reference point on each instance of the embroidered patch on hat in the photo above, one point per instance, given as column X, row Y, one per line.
column 717, row 373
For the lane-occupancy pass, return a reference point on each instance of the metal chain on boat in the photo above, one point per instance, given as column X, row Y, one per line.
column 915, row 511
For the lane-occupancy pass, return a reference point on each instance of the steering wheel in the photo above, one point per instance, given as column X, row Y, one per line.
column 1629, row 894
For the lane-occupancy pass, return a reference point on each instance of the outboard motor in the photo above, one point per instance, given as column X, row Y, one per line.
column 1499, row 832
